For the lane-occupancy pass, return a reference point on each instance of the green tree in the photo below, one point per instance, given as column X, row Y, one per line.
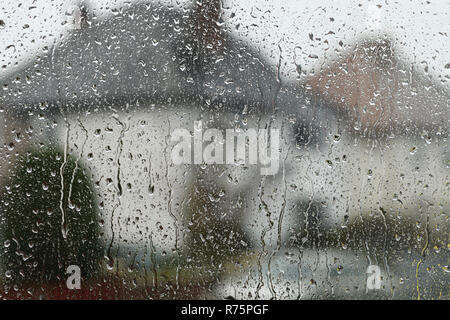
column 41, row 191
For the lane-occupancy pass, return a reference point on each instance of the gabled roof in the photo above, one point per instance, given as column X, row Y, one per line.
column 381, row 93
column 147, row 52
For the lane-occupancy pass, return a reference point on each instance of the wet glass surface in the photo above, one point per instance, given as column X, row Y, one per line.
column 217, row 149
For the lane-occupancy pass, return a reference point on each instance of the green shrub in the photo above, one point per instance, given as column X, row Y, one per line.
column 34, row 250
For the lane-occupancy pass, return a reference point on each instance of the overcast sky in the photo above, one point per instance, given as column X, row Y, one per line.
column 420, row 29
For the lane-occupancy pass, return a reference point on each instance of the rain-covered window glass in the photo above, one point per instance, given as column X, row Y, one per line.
column 224, row 149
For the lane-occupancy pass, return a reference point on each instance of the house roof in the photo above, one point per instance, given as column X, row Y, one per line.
column 146, row 52
column 380, row 92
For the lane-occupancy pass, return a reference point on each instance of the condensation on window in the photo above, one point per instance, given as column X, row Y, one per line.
column 224, row 149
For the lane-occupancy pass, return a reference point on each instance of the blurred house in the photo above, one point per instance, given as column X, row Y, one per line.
column 380, row 156
column 395, row 137
column 380, row 146
column 112, row 92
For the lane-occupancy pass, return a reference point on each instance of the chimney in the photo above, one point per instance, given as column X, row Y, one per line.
column 206, row 14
